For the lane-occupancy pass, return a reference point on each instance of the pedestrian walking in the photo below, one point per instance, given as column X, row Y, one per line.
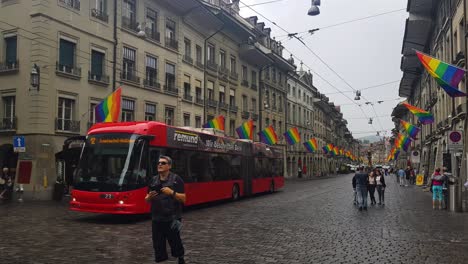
column 437, row 180
column 361, row 188
column 299, row 172
column 354, row 190
column 372, row 185
column 166, row 195
column 7, row 190
column 401, row 175
column 408, row 173
column 380, row 180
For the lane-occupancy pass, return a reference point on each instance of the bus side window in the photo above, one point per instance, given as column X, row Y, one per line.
column 235, row 168
column 200, row 167
column 153, row 166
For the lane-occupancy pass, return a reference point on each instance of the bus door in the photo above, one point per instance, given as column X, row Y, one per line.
column 247, row 174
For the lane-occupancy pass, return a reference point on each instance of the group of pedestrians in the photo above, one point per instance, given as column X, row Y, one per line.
column 406, row 177
column 368, row 182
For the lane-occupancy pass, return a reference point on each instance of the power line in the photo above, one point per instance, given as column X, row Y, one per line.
column 350, row 21
column 369, row 87
column 264, row 3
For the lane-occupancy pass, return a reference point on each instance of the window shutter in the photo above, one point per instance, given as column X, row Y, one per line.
column 67, row 53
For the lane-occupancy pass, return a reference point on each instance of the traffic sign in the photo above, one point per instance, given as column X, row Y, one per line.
column 19, row 144
column 455, row 140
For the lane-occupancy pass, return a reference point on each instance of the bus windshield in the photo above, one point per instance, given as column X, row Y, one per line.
column 112, row 163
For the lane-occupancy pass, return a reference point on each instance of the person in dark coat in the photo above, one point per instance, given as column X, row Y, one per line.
column 361, row 188
column 380, row 180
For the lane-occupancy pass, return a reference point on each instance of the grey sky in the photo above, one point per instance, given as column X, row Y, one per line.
column 364, row 53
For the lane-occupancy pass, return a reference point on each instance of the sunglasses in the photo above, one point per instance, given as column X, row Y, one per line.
column 162, row 163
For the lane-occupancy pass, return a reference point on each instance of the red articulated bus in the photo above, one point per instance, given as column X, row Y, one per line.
column 118, row 160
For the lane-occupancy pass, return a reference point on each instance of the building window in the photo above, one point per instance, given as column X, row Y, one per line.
column 187, row 120
column 129, row 10
column 254, row 105
column 274, row 100
column 198, row 54
column 198, row 92
column 97, row 65
column 129, row 56
column 169, row 115
column 245, row 106
column 222, row 94
column 171, row 34
column 128, row 110
column 187, row 88
column 151, row 29
column 92, row 114
column 233, row 64
column 9, row 109
column 11, row 52
column 75, row 4
column 67, row 56
column 150, row 112
column 210, row 53
column 65, row 114
column 151, row 71
column 274, row 74
column 244, row 73
column 254, row 79
column 188, row 48
column 222, row 58
column 232, row 97
column 170, row 76
column 198, row 121
column 267, row 121
column 232, row 127
column 210, row 86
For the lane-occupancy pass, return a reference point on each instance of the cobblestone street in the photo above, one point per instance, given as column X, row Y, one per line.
column 309, row 221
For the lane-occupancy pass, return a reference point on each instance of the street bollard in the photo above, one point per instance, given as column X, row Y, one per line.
column 453, row 191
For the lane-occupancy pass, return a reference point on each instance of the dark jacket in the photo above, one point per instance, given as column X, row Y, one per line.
column 354, row 181
column 361, row 179
column 382, row 181
column 166, row 208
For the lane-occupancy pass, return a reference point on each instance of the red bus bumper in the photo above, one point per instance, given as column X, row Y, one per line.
column 110, row 202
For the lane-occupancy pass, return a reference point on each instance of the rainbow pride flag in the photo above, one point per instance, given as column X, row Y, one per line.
column 292, row 136
column 217, row 123
column 410, row 129
column 423, row 116
column 311, row 145
column 406, row 143
column 109, row 109
column 336, row 151
column 329, row 147
column 268, row 135
column 447, row 76
column 325, row 150
column 245, row 131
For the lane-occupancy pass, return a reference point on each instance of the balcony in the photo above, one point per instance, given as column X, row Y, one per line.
column 245, row 83
column 233, row 108
column 274, row 107
column 223, row 73
column 253, row 87
column 280, row 109
column 199, row 65
column 187, row 59
column 66, row 125
column 254, row 116
column 245, row 114
column 152, row 84
column 172, row 43
column 8, row 124
column 211, row 65
column 234, row 75
column 99, row 14
column 212, row 103
column 68, row 71
column 171, row 90
column 223, row 105
column 188, row 97
column 130, row 77
column 9, row 67
column 98, row 79
column 129, row 24
column 459, row 60
column 199, row 100
column 153, row 34
column 75, row 4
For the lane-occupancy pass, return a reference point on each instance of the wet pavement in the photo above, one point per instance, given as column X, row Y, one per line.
column 308, row 221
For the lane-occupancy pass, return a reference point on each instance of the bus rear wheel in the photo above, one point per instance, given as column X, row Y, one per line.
column 235, row 192
column 272, row 187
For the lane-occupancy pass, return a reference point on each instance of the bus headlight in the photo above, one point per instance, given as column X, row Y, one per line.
column 74, row 199
column 121, row 202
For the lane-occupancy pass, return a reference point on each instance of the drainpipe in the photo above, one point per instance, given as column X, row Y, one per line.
column 260, row 101
column 114, row 56
column 466, row 104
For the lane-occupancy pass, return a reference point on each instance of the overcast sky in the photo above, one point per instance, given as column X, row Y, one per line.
column 364, row 53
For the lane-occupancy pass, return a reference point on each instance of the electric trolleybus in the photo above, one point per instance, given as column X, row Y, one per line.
column 119, row 159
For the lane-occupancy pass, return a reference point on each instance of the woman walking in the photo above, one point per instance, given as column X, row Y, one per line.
column 372, row 185
column 437, row 181
column 380, row 180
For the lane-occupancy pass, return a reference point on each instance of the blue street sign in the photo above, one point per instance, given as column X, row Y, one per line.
column 19, row 144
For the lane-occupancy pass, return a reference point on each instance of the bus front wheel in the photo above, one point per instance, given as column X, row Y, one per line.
column 272, row 187
column 235, row 192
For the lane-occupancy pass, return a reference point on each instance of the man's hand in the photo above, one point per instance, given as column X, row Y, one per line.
column 150, row 196
column 167, row 191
